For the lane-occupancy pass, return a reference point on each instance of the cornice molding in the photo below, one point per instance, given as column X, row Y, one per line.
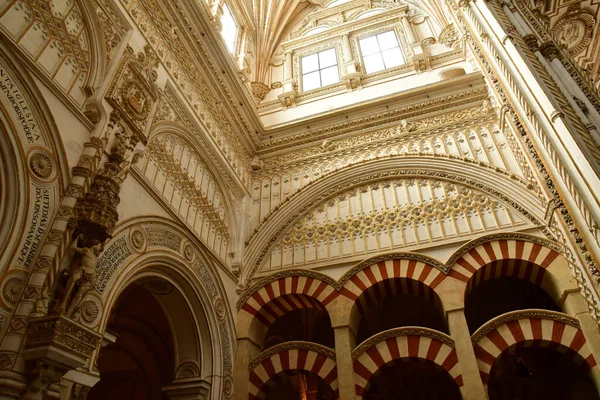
column 420, row 101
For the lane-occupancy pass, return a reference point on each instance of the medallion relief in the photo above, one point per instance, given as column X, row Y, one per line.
column 574, row 30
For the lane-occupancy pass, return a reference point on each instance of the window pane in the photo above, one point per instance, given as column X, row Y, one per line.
column 329, row 76
column 373, row 63
column 311, row 81
column 327, row 58
column 387, row 40
column 393, row 57
column 229, row 31
column 310, row 63
column 369, row 46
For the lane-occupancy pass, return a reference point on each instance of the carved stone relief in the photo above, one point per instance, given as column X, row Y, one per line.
column 52, row 34
column 386, row 216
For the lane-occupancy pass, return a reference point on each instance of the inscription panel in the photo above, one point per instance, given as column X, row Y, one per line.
column 111, row 258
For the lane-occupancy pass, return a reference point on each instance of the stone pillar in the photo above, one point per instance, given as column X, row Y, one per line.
column 246, row 351
column 574, row 304
column 411, row 38
column 288, row 98
column 77, row 384
column 54, row 345
column 350, row 72
column 188, row 389
column 344, row 343
column 473, row 388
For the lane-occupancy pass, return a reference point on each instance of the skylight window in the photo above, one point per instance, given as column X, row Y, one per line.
column 229, row 31
column 337, row 3
column 381, row 52
column 320, row 69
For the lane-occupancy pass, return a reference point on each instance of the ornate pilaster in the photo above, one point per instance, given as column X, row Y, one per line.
column 55, row 343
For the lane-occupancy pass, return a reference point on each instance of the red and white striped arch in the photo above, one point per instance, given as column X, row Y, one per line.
column 404, row 346
column 289, row 293
column 289, row 360
column 397, row 286
column 477, row 257
column 529, row 331
column 395, row 268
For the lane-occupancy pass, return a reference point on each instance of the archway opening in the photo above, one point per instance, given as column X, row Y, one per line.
column 296, row 318
column 298, row 385
column 140, row 362
column 412, row 379
column 534, row 372
column 504, row 286
column 305, row 324
column 396, row 303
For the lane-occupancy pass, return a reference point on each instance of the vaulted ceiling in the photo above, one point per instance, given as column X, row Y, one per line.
column 273, row 19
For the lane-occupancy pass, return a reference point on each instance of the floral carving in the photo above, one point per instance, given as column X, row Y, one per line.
column 187, row 370
column 220, row 308
column 12, row 288
column 89, row 311
column 41, row 165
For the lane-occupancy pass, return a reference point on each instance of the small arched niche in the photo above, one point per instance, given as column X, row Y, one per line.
column 412, row 379
column 540, row 370
column 298, row 384
column 295, row 317
column 504, row 286
column 396, row 303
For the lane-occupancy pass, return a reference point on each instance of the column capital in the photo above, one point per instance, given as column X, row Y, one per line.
column 532, row 42
column 549, row 50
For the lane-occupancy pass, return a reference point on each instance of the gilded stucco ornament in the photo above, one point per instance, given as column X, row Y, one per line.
column 574, row 29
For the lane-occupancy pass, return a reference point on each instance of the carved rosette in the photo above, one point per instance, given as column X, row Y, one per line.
column 220, row 309
column 90, row 310
column 12, row 286
column 187, row 249
column 228, row 386
column 138, row 239
column 42, row 165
